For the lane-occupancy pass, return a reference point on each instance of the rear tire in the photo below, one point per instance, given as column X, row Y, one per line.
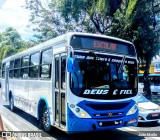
column 44, row 122
column 11, row 103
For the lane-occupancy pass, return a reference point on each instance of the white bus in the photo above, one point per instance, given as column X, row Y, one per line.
column 76, row 82
column 154, row 81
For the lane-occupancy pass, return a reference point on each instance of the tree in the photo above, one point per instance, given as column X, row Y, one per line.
column 11, row 43
column 6, row 51
column 96, row 15
column 46, row 19
column 134, row 21
column 61, row 16
column 11, row 37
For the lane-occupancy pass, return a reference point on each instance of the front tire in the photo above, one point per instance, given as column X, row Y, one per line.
column 44, row 122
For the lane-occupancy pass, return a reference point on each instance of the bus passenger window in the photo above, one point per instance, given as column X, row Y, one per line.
column 33, row 72
column 25, row 61
column 3, row 70
column 12, row 65
column 24, row 73
column 11, row 69
column 46, row 64
column 34, row 59
column 34, row 66
column 11, row 73
column 17, row 73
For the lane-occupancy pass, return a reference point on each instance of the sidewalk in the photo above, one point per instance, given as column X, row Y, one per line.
column 3, row 127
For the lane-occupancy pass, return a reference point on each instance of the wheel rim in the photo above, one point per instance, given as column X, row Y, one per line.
column 46, row 118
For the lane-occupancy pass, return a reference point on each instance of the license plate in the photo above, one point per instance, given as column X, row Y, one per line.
column 154, row 114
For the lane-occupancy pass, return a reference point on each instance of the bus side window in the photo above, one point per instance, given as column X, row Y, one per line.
column 17, row 68
column 46, row 64
column 25, row 67
column 11, row 69
column 34, row 65
column 3, row 70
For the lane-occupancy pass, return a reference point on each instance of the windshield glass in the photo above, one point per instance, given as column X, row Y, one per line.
column 103, row 77
column 142, row 99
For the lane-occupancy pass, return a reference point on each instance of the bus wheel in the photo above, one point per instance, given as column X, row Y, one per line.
column 11, row 102
column 45, row 121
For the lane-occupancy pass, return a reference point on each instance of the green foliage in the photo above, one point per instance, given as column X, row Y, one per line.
column 61, row 16
column 90, row 15
column 6, row 51
column 11, row 43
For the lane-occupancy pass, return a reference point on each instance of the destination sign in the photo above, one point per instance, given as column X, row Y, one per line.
column 102, row 44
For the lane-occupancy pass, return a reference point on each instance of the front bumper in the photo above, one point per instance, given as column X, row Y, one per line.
column 77, row 125
column 149, row 116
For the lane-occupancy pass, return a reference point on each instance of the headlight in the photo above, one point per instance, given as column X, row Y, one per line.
column 79, row 112
column 132, row 110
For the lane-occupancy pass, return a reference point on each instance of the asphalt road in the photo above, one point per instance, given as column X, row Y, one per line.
column 21, row 121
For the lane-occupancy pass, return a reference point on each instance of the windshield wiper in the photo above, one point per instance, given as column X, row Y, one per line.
column 122, row 64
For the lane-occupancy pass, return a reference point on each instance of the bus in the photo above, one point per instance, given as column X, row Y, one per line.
column 154, row 81
column 77, row 82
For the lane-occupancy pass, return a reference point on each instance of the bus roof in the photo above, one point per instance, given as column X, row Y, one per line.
column 60, row 39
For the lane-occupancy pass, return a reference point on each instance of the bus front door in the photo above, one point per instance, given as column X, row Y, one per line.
column 60, row 89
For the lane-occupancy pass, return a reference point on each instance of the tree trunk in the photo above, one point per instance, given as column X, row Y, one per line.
column 147, row 87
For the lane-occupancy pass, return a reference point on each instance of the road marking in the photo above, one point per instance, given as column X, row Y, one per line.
column 8, row 123
column 127, row 129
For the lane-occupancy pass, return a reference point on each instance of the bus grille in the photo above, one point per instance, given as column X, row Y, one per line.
column 107, row 106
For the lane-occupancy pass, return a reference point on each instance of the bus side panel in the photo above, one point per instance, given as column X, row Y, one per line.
column 39, row 89
column 20, row 93
column 3, row 92
column 11, row 86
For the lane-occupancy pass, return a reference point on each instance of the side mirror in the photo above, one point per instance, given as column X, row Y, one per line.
column 70, row 65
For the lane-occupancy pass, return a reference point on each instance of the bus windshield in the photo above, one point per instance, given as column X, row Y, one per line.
column 101, row 73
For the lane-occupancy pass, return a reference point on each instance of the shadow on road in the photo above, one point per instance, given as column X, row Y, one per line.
column 24, row 115
column 109, row 134
column 148, row 124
